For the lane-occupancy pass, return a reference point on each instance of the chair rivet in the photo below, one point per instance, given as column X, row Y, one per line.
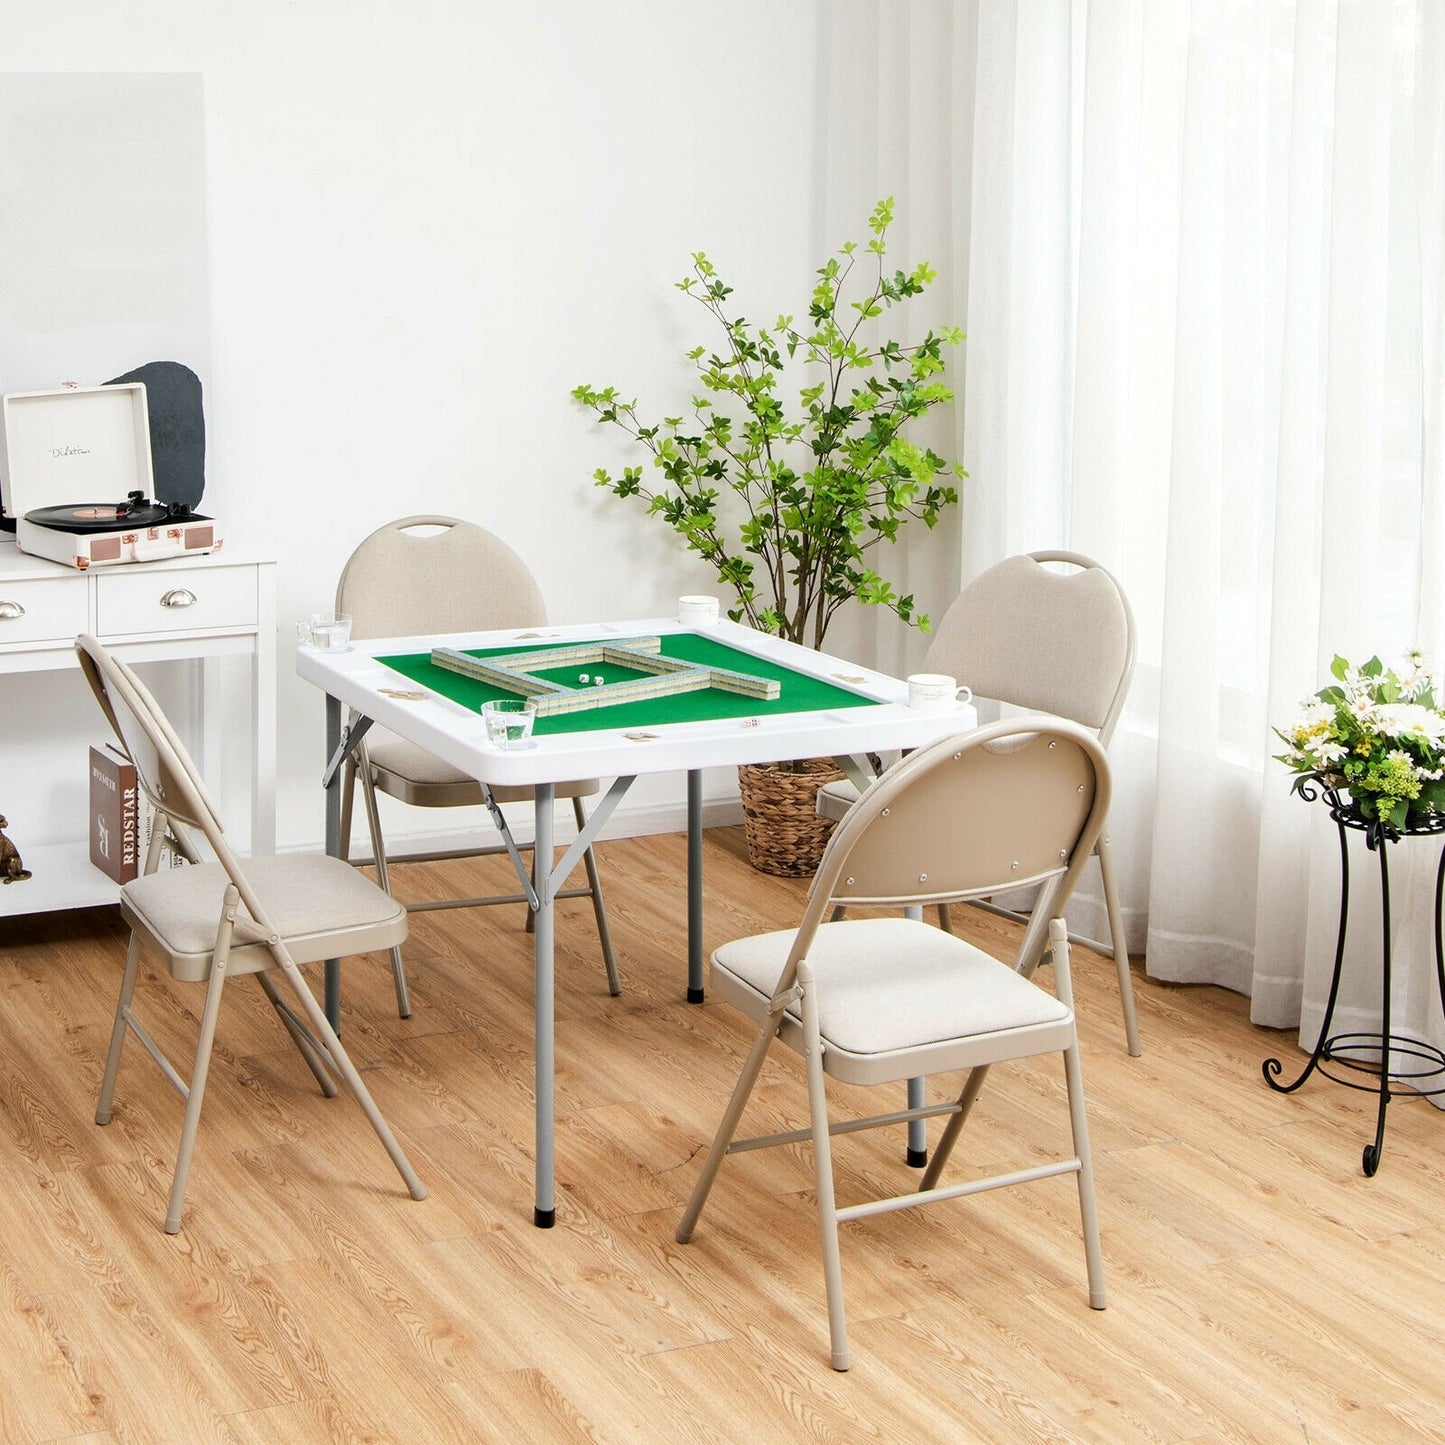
column 886, row 811
column 1063, row 852
column 957, row 756
column 923, row 877
column 1014, row 864
column 1081, row 787
column 1055, row 743
column 849, row 881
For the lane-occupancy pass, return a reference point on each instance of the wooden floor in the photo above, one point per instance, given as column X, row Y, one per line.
column 1261, row 1289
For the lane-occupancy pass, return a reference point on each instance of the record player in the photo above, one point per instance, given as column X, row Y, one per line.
column 81, row 442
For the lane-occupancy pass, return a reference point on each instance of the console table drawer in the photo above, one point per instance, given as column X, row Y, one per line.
column 41, row 609
column 128, row 601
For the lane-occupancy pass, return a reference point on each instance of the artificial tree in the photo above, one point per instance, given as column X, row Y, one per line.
column 787, row 506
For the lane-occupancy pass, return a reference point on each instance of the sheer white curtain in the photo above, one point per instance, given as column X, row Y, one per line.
column 1205, row 346
column 895, row 118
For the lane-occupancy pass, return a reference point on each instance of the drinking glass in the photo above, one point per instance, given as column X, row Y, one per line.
column 509, row 722
column 330, row 631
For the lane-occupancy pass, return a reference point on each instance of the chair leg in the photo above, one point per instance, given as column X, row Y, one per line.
column 954, row 1127
column 383, row 876
column 326, row 1035
column 1078, row 1119
column 196, row 1090
column 945, row 918
column 1121, row 946
column 1088, row 1210
column 1040, row 929
column 303, row 1041
column 594, row 886
column 727, row 1127
column 118, row 1031
column 348, row 794
column 823, row 1170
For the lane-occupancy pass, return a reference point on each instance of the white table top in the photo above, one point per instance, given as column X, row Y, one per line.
column 457, row 735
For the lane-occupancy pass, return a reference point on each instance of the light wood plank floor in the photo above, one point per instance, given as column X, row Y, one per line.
column 1261, row 1289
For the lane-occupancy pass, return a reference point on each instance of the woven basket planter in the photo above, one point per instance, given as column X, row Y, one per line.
column 785, row 835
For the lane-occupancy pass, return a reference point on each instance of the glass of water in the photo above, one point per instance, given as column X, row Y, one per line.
column 509, row 722
column 330, row 631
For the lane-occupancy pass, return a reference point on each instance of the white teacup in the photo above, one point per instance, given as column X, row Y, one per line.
column 697, row 611
column 936, row 692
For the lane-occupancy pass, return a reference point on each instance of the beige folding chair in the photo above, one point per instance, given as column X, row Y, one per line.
column 875, row 1000
column 213, row 921
column 1035, row 638
column 434, row 575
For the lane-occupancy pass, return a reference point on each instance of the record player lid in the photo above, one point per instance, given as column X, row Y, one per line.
column 177, row 421
column 89, row 441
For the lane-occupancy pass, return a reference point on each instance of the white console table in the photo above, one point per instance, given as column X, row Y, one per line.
column 183, row 608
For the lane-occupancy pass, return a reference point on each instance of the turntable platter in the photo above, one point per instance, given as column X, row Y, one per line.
column 135, row 511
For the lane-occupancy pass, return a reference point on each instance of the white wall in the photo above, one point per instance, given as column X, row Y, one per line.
column 427, row 223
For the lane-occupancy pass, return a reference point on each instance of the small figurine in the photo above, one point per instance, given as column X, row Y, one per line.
column 12, row 870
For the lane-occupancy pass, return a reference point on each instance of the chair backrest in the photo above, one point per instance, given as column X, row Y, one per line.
column 1038, row 791
column 164, row 768
column 408, row 578
column 1047, row 641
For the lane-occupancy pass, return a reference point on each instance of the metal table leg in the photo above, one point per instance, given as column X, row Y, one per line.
column 541, row 884
column 694, row 886
column 544, row 1213
column 917, row 1154
column 339, row 743
column 332, row 975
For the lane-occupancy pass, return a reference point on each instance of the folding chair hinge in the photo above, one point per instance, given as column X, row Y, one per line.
column 781, row 1001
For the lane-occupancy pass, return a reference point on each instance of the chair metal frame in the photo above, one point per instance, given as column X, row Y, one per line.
column 1046, row 783
column 526, row 610
column 247, row 940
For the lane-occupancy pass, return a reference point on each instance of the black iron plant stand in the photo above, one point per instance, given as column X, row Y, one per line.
column 1415, row 1062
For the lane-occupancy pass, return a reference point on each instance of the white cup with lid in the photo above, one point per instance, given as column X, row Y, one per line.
column 697, row 611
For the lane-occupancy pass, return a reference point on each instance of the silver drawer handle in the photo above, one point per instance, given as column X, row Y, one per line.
column 11, row 611
column 179, row 597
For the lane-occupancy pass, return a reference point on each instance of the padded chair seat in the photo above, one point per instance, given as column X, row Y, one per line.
column 950, row 989
column 835, row 798
column 414, row 775
column 313, row 901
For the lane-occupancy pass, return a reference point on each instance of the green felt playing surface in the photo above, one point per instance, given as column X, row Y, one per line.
column 800, row 693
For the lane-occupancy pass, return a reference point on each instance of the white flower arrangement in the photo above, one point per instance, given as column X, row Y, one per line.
column 1377, row 734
